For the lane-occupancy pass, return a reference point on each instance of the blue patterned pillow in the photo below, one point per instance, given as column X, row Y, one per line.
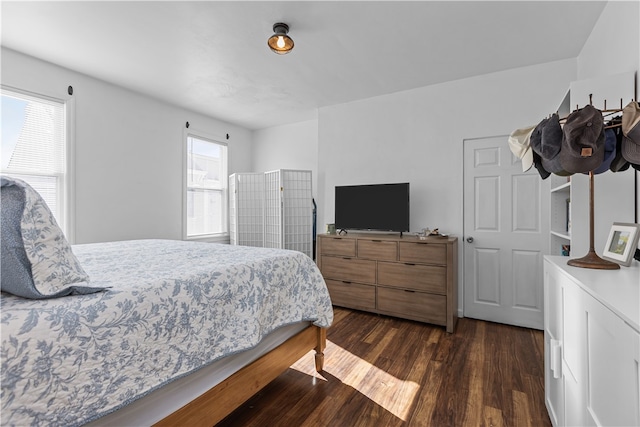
column 37, row 261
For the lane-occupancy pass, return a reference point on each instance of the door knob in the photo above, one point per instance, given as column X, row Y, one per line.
column 469, row 239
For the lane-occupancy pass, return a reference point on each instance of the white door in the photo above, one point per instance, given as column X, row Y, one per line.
column 506, row 233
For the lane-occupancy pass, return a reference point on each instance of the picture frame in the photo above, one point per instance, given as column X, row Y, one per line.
column 622, row 243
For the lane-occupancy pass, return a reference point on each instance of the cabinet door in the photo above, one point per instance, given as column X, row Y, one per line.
column 553, row 382
column 612, row 390
column 573, row 351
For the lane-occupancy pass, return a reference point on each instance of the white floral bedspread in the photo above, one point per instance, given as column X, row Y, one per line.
column 172, row 307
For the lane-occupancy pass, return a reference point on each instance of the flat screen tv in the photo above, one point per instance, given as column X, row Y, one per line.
column 379, row 207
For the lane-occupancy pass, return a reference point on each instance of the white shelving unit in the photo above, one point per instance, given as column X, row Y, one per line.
column 272, row 209
column 246, row 206
column 560, row 215
column 559, row 203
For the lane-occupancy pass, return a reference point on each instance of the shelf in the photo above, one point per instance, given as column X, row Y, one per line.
column 559, row 215
column 561, row 235
column 562, row 187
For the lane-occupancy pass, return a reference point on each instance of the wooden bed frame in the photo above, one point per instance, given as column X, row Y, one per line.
column 218, row 402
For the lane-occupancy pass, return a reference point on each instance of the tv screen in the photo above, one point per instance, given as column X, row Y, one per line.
column 381, row 207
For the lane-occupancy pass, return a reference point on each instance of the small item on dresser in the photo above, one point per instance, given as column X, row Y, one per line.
column 436, row 233
column 422, row 235
column 426, row 232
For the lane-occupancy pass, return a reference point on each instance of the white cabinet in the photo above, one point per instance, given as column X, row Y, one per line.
column 592, row 339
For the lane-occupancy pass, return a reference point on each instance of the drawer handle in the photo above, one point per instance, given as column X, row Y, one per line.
column 409, row 263
column 345, row 282
column 346, row 258
column 409, row 290
column 377, row 241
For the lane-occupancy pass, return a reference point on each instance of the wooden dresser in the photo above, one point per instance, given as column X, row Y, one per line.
column 397, row 276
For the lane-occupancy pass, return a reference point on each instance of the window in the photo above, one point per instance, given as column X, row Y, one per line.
column 206, row 201
column 34, row 145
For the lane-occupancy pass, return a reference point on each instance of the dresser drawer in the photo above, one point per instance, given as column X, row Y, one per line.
column 378, row 249
column 349, row 269
column 413, row 305
column 426, row 253
column 352, row 295
column 338, row 246
column 429, row 278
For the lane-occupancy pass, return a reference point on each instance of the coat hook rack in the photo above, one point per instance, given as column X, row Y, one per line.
column 605, row 111
column 592, row 260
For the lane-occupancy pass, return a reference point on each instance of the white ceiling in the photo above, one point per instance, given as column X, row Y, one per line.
column 212, row 56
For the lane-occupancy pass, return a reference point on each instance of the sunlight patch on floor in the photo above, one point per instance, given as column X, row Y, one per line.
column 391, row 393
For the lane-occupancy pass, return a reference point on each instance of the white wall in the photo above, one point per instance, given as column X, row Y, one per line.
column 418, row 135
column 293, row 146
column 128, row 152
column 612, row 48
column 614, row 44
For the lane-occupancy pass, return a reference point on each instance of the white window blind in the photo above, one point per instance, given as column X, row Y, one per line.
column 206, row 187
column 34, row 145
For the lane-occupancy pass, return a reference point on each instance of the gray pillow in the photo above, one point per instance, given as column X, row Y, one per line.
column 36, row 259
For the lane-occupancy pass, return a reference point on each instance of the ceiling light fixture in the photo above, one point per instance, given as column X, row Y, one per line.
column 280, row 42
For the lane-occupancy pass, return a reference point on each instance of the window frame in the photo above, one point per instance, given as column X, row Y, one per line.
column 67, row 196
column 222, row 237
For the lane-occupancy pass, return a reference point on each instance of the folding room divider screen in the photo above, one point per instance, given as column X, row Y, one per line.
column 273, row 210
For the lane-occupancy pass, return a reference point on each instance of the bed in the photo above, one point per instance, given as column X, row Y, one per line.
column 143, row 332
column 182, row 334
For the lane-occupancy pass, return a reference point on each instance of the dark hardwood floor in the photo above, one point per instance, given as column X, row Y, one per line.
column 382, row 371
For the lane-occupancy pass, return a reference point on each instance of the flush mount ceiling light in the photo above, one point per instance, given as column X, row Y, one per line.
column 280, row 42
